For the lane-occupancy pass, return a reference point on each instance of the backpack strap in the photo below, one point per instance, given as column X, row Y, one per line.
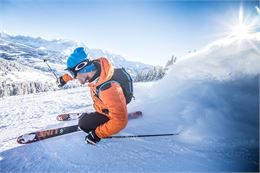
column 105, row 86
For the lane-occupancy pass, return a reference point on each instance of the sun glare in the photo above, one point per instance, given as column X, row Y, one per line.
column 241, row 30
column 244, row 25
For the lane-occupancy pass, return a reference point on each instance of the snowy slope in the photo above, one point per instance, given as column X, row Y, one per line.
column 211, row 97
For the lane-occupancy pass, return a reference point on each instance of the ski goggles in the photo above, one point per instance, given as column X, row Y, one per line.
column 74, row 71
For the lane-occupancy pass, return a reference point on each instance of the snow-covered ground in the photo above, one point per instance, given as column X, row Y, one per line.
column 210, row 97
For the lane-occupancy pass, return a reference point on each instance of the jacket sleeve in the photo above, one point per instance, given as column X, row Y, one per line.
column 114, row 100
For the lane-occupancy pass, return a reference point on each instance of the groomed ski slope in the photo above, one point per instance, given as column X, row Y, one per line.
column 211, row 97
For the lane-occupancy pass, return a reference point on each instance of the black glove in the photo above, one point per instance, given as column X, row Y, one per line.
column 92, row 138
column 61, row 82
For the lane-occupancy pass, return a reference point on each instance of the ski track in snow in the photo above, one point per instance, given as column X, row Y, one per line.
column 211, row 98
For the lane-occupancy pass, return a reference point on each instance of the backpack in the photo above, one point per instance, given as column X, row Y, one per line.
column 124, row 79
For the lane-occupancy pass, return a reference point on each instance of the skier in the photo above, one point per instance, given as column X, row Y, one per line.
column 110, row 114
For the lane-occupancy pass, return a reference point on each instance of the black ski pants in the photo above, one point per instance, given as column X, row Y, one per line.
column 90, row 121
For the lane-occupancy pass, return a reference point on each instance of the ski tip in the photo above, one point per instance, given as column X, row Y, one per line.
column 63, row 117
column 19, row 140
column 27, row 138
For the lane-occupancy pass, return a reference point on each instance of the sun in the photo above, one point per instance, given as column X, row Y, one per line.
column 241, row 30
column 243, row 26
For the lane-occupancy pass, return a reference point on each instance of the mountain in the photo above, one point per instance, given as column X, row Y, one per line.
column 57, row 51
column 211, row 97
column 26, row 52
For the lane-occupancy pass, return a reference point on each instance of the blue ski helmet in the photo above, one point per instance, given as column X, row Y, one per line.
column 78, row 56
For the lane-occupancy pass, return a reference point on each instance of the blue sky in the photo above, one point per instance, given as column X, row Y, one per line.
column 146, row 31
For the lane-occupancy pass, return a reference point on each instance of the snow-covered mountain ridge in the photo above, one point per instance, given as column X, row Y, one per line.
column 58, row 51
column 28, row 53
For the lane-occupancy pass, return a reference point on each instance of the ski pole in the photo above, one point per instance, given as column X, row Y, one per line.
column 45, row 60
column 141, row 136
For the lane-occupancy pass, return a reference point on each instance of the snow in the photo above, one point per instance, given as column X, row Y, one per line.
column 29, row 76
column 211, row 97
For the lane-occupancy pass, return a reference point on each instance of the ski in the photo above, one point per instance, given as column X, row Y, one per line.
column 44, row 134
column 74, row 116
